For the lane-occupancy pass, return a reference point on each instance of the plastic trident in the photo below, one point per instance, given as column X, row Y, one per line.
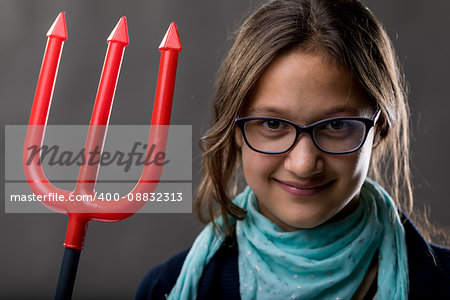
column 80, row 213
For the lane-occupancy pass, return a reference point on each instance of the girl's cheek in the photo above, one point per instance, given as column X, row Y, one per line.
column 353, row 165
column 260, row 163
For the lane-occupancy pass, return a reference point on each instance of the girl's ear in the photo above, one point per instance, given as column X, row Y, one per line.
column 376, row 139
column 238, row 137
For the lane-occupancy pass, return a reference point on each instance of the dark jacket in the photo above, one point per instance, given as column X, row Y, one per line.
column 429, row 271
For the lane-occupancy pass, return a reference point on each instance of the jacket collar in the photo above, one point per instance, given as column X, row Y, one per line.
column 419, row 247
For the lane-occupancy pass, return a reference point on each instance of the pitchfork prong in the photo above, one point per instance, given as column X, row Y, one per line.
column 117, row 41
column 34, row 174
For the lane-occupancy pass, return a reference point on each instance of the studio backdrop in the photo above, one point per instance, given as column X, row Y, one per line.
column 117, row 255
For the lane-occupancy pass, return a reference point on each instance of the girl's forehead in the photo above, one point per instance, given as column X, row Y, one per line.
column 306, row 88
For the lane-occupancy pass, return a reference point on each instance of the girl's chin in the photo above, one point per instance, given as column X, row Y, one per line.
column 299, row 222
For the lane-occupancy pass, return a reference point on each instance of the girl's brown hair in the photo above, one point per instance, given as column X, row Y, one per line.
column 348, row 33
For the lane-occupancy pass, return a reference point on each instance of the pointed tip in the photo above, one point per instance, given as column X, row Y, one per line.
column 120, row 32
column 58, row 28
column 171, row 40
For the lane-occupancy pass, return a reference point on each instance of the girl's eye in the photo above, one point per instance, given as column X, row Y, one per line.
column 337, row 125
column 273, row 124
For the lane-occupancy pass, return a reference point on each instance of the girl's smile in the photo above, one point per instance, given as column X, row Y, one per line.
column 305, row 187
column 300, row 189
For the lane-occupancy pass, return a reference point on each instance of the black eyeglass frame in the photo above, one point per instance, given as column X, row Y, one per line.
column 369, row 123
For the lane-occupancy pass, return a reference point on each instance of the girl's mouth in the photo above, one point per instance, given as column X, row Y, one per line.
column 299, row 189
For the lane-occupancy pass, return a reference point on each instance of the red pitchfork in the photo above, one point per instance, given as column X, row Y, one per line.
column 80, row 213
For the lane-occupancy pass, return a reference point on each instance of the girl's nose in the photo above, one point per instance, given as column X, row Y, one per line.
column 304, row 159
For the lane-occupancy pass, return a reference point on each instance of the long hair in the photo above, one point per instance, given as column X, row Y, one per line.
column 349, row 34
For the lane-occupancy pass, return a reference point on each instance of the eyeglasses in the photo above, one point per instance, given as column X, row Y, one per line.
column 340, row 135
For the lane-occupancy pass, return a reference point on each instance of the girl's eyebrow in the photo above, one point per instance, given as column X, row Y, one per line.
column 342, row 109
column 267, row 109
column 335, row 110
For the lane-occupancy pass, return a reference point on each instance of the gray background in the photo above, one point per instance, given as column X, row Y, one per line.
column 117, row 255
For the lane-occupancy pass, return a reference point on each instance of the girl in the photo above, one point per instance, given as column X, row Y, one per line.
column 309, row 105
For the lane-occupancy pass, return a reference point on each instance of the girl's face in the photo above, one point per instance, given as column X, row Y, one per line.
column 305, row 88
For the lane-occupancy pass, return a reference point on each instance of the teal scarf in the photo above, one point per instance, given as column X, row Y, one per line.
column 326, row 262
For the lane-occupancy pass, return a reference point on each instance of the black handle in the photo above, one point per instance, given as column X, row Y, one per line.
column 67, row 274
